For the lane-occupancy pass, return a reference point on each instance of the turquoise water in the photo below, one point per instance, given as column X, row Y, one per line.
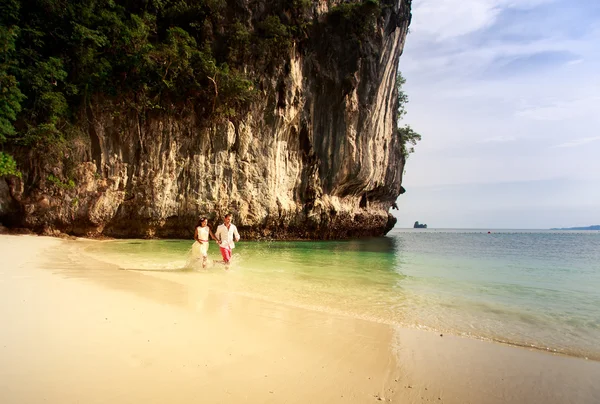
column 530, row 288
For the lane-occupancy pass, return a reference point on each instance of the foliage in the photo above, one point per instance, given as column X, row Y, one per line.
column 355, row 19
column 8, row 166
column 408, row 137
column 10, row 95
column 69, row 184
column 56, row 55
column 401, row 98
column 238, row 42
column 274, row 33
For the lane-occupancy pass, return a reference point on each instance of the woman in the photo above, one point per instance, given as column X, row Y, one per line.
column 201, row 235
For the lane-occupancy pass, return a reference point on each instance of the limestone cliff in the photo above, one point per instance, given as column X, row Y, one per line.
column 316, row 156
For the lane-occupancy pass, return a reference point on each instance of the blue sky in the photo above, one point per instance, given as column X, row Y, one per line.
column 506, row 94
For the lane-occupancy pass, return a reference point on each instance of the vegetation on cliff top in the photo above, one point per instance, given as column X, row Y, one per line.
column 408, row 137
column 56, row 55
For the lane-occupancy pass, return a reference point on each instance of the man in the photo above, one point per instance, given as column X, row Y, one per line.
column 227, row 234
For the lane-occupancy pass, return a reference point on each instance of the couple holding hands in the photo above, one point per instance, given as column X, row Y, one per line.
column 226, row 235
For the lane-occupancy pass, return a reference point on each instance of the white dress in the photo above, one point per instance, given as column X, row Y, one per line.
column 201, row 248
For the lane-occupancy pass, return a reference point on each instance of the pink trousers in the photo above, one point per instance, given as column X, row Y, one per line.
column 226, row 253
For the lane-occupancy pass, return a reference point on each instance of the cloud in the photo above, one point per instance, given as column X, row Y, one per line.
column 575, row 62
column 444, row 19
column 472, row 39
column 447, row 19
column 557, row 110
column 476, row 61
column 578, row 142
column 530, row 62
column 501, row 91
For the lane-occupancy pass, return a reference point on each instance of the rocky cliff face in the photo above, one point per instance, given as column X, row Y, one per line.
column 317, row 155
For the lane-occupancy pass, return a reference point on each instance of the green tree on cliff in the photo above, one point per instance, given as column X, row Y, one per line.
column 408, row 136
column 10, row 94
column 56, row 56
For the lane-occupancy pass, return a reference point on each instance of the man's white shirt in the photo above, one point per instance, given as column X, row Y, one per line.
column 227, row 236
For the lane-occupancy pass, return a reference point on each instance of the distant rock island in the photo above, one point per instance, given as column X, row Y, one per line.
column 594, row 227
column 419, row 226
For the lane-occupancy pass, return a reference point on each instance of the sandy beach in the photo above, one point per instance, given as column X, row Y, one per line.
column 75, row 330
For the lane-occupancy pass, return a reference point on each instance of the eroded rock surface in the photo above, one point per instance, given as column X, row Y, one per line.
column 316, row 156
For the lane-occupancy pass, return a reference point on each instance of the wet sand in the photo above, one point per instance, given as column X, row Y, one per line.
column 78, row 330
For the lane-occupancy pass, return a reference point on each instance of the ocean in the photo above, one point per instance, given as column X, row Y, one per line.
column 533, row 288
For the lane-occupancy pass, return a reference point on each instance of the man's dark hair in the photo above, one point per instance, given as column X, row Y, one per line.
column 227, row 215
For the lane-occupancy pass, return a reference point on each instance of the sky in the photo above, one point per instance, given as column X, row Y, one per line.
column 506, row 95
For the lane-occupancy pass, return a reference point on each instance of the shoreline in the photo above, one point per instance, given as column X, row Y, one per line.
column 418, row 328
column 101, row 324
column 326, row 310
column 322, row 309
column 24, row 231
column 272, row 297
column 50, row 232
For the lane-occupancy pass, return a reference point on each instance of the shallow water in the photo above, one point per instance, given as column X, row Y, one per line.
column 530, row 288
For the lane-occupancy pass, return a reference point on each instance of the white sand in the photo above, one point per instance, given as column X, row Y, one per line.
column 96, row 334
